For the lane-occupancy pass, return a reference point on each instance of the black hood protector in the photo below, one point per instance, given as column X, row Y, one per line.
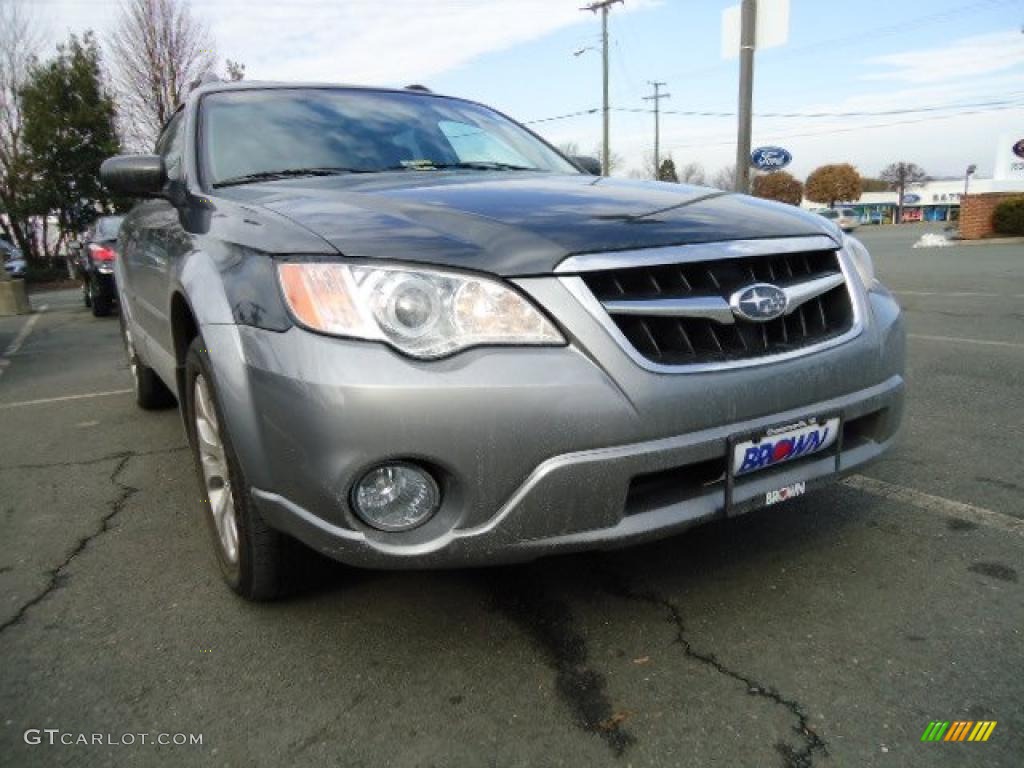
column 516, row 223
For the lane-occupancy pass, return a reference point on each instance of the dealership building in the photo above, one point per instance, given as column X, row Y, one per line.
column 940, row 200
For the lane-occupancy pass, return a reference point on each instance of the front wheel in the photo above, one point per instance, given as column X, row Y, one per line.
column 252, row 556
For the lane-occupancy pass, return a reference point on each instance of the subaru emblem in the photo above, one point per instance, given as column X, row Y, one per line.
column 759, row 303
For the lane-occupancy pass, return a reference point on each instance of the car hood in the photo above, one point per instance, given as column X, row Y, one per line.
column 516, row 223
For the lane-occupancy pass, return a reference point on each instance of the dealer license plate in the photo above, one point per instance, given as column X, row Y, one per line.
column 784, row 444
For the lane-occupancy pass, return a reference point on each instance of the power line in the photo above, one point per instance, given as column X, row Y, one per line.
column 804, row 115
column 799, row 115
column 831, row 131
column 551, row 119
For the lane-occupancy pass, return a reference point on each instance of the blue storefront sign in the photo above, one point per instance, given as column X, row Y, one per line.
column 770, row 158
column 911, row 199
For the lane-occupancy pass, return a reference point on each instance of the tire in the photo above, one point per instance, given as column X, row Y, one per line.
column 102, row 301
column 150, row 392
column 86, row 296
column 253, row 558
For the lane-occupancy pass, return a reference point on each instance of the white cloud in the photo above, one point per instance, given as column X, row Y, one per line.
column 967, row 57
column 381, row 41
column 353, row 41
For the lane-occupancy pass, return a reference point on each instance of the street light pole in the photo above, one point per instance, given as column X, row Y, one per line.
column 967, row 176
column 603, row 5
column 656, row 98
column 748, row 36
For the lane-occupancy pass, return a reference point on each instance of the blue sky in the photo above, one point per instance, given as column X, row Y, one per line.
column 517, row 55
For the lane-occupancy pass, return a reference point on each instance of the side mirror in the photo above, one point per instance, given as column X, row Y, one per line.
column 586, row 164
column 134, row 175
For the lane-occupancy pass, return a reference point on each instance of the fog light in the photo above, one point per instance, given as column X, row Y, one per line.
column 395, row 497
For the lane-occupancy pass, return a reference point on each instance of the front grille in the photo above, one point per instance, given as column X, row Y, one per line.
column 710, row 333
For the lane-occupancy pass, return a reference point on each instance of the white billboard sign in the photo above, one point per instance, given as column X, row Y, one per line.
column 1010, row 157
column 772, row 27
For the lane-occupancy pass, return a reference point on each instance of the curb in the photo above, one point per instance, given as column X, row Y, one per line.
column 991, row 241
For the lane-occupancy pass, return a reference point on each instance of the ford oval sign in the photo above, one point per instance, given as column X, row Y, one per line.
column 759, row 302
column 770, row 158
column 1018, row 148
column 911, row 199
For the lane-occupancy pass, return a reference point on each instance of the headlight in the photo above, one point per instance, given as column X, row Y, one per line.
column 423, row 313
column 861, row 260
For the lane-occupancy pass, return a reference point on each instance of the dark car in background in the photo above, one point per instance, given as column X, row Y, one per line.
column 14, row 263
column 98, row 251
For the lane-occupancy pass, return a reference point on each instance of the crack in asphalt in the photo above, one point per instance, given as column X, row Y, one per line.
column 618, row 586
column 57, row 576
column 100, row 460
column 550, row 623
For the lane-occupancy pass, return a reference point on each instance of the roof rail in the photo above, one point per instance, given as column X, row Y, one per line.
column 209, row 76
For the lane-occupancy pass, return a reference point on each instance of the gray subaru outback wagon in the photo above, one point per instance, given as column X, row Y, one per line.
column 407, row 332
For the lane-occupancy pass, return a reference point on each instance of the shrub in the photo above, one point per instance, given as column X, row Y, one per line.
column 46, row 272
column 1008, row 217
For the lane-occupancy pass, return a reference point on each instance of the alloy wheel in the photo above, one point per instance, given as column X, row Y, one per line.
column 214, row 465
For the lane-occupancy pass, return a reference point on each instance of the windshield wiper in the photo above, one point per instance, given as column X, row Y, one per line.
column 472, row 165
column 286, row 173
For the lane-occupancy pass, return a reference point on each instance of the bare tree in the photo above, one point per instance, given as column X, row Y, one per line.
column 724, row 178
column 692, row 173
column 20, row 39
column 235, row 70
column 688, row 173
column 899, row 176
column 614, row 160
column 569, row 148
column 159, row 49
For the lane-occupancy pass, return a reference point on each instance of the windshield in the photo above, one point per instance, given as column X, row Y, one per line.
column 260, row 133
column 108, row 227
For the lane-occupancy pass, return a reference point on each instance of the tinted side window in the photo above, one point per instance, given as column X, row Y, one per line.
column 170, row 145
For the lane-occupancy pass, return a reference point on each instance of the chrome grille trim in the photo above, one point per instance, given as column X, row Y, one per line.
column 712, row 307
column 683, row 254
column 716, row 307
column 801, row 293
column 713, row 252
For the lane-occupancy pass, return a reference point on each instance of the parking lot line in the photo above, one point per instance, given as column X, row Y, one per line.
column 929, row 503
column 941, row 293
column 960, row 340
column 45, row 400
column 959, row 294
column 26, row 329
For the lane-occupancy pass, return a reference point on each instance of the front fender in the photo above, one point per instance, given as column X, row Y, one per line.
column 232, row 284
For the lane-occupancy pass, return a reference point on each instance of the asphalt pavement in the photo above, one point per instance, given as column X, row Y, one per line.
column 826, row 631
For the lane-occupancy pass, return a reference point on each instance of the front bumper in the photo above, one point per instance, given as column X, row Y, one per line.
column 536, row 450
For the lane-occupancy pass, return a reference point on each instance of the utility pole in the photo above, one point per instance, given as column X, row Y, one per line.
column 748, row 36
column 656, row 98
column 603, row 5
